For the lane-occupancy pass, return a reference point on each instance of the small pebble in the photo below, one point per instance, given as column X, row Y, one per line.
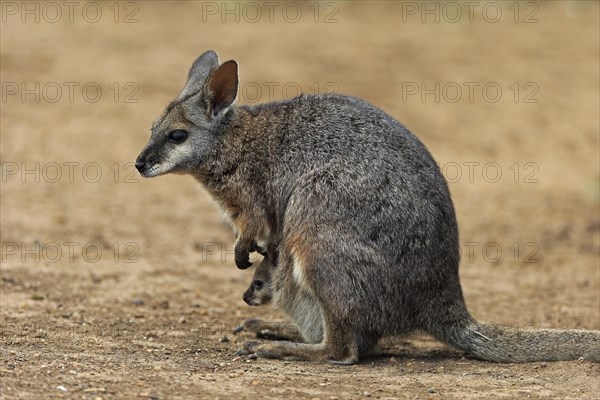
column 164, row 304
column 430, row 390
column 62, row 388
column 224, row 339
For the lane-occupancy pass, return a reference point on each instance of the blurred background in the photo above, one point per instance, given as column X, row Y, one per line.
column 504, row 94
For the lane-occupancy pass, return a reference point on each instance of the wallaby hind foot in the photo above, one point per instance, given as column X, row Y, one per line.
column 339, row 347
column 333, row 351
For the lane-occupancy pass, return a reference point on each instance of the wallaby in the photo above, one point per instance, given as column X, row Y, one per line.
column 365, row 229
column 260, row 292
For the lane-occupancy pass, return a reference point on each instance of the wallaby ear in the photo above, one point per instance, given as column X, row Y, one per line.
column 221, row 87
column 202, row 67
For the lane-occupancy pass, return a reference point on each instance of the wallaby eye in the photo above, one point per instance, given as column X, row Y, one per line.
column 178, row 136
column 257, row 284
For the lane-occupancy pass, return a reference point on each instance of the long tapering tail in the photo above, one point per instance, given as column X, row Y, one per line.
column 507, row 344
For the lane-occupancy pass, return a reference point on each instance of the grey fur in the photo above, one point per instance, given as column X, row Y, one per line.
column 362, row 218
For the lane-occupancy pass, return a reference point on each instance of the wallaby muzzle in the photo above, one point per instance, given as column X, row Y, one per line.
column 248, row 297
column 146, row 162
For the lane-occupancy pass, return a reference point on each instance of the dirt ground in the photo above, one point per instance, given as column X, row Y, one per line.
column 115, row 287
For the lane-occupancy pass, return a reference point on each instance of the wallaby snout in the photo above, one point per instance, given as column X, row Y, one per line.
column 258, row 293
column 146, row 163
column 248, row 298
column 140, row 165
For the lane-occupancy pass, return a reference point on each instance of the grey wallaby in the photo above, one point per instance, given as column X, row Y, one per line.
column 359, row 212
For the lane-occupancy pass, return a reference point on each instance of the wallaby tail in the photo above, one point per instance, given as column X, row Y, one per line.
column 506, row 344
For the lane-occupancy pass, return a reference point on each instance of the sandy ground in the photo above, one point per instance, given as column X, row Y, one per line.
column 115, row 287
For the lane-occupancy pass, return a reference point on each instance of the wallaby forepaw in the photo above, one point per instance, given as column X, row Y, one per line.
column 242, row 257
column 256, row 326
column 249, row 325
column 253, row 325
column 243, row 262
column 268, row 334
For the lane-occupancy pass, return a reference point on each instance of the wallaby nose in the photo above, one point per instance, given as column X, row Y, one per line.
column 246, row 297
column 140, row 165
